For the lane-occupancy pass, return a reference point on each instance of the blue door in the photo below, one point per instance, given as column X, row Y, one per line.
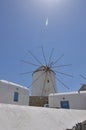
column 64, row 104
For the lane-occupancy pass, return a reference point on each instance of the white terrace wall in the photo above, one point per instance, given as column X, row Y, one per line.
column 76, row 100
column 11, row 93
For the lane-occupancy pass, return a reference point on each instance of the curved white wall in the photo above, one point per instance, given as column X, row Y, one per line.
column 43, row 83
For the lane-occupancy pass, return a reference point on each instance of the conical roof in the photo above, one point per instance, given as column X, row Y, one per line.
column 43, row 68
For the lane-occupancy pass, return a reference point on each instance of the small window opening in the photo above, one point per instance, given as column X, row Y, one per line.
column 48, row 81
column 16, row 96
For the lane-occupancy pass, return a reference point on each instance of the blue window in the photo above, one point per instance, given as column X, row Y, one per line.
column 64, row 104
column 16, row 96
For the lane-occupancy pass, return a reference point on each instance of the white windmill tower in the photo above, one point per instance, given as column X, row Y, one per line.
column 44, row 77
column 45, row 82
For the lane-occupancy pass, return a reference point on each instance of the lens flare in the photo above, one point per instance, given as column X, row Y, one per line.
column 46, row 23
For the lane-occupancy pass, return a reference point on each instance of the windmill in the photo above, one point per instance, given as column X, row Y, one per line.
column 83, row 87
column 44, row 77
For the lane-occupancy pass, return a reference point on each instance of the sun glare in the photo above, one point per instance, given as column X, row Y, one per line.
column 51, row 1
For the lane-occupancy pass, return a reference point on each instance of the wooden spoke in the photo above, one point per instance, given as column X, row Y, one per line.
column 58, row 59
column 62, row 66
column 26, row 62
column 44, row 83
column 83, row 76
column 49, row 63
column 62, row 83
column 64, row 74
column 53, row 83
column 35, row 57
column 26, row 73
column 44, row 56
column 36, row 79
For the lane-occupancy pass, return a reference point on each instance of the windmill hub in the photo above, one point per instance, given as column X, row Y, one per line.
column 47, row 68
column 44, row 68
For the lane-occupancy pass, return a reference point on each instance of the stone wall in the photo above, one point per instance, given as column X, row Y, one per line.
column 38, row 101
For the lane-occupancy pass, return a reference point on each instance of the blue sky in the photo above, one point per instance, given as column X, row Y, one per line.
column 22, row 28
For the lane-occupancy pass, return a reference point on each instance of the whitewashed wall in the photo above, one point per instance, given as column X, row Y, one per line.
column 7, row 90
column 76, row 100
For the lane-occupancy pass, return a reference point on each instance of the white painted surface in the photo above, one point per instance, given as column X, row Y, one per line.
column 43, row 83
column 76, row 100
column 7, row 90
column 13, row 117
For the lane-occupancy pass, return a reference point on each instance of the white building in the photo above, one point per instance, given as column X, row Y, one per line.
column 71, row 100
column 11, row 93
column 43, row 81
